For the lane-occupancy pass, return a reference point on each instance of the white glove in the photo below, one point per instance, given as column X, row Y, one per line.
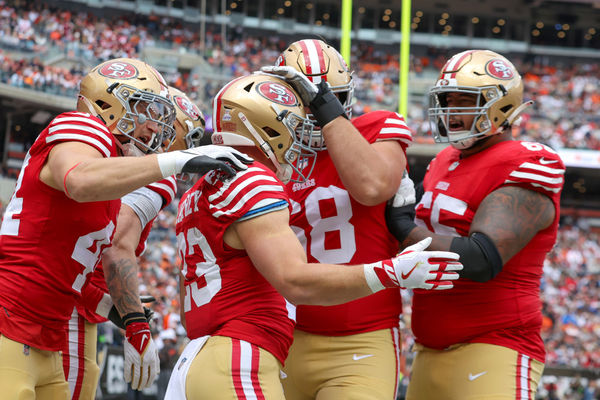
column 141, row 365
column 415, row 269
column 406, row 192
column 301, row 84
column 202, row 159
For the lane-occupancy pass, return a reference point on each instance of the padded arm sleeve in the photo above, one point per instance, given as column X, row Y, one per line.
column 479, row 256
column 145, row 202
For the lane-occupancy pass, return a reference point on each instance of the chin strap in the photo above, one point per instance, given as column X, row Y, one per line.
column 264, row 146
column 517, row 113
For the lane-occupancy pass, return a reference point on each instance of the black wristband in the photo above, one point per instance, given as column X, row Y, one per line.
column 134, row 317
column 400, row 221
column 326, row 106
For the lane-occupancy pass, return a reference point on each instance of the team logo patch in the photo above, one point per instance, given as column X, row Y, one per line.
column 118, row 70
column 443, row 82
column 499, row 69
column 188, row 108
column 277, row 93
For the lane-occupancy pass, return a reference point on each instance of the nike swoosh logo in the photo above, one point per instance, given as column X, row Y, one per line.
column 405, row 276
column 356, row 357
column 145, row 337
column 544, row 161
column 473, row 377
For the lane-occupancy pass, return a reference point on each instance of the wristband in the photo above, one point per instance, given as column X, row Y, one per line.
column 326, row 106
column 380, row 275
column 134, row 317
column 167, row 162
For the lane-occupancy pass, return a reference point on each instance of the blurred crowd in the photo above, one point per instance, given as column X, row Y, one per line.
column 566, row 112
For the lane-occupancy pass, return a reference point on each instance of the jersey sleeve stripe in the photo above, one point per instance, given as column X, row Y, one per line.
column 543, row 168
column 275, row 205
column 536, row 177
column 395, row 121
column 550, row 189
column 231, row 195
column 64, row 123
column 396, row 131
column 163, row 189
column 244, row 199
column 240, row 175
column 82, row 138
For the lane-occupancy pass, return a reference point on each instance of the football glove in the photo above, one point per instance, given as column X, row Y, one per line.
column 323, row 103
column 141, row 363
column 115, row 317
column 400, row 211
column 202, row 159
column 415, row 268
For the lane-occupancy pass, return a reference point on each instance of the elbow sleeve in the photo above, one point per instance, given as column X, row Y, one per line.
column 479, row 256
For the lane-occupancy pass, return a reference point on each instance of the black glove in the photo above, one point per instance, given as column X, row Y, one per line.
column 326, row 106
column 400, row 211
column 115, row 318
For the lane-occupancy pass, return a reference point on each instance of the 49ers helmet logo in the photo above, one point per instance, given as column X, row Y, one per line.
column 118, row 70
column 188, row 108
column 499, row 69
column 277, row 93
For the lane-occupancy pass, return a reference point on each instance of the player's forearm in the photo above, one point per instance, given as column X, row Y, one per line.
column 324, row 284
column 366, row 173
column 121, row 273
column 439, row 242
column 110, row 178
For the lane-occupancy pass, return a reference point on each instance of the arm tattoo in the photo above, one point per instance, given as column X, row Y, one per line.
column 511, row 216
column 122, row 281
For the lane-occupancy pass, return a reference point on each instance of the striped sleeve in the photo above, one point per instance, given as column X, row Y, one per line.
column 394, row 128
column 544, row 175
column 249, row 194
column 167, row 188
column 82, row 128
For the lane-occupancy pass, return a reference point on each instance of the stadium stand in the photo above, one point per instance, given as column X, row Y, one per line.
column 46, row 47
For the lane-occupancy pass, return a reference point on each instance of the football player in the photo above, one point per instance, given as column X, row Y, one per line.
column 242, row 260
column 348, row 351
column 63, row 215
column 495, row 201
column 135, row 219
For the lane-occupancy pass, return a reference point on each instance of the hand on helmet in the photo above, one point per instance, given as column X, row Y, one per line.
column 203, row 159
column 324, row 105
column 415, row 268
column 301, row 84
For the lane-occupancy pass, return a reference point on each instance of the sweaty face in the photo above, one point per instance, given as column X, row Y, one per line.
column 461, row 110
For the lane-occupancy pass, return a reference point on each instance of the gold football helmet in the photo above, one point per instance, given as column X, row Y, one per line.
column 264, row 111
column 122, row 91
column 189, row 122
column 321, row 62
column 494, row 83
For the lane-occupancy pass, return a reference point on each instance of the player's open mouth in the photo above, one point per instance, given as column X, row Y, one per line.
column 456, row 126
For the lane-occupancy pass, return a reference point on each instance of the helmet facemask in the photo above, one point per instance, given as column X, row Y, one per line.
column 441, row 116
column 140, row 107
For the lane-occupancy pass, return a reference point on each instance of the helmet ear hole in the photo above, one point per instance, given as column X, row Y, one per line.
column 271, row 132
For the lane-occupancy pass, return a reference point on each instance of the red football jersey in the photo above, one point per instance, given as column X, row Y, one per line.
column 49, row 243
column 334, row 228
column 86, row 307
column 506, row 310
column 224, row 293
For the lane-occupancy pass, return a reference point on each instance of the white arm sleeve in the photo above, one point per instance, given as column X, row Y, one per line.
column 145, row 202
